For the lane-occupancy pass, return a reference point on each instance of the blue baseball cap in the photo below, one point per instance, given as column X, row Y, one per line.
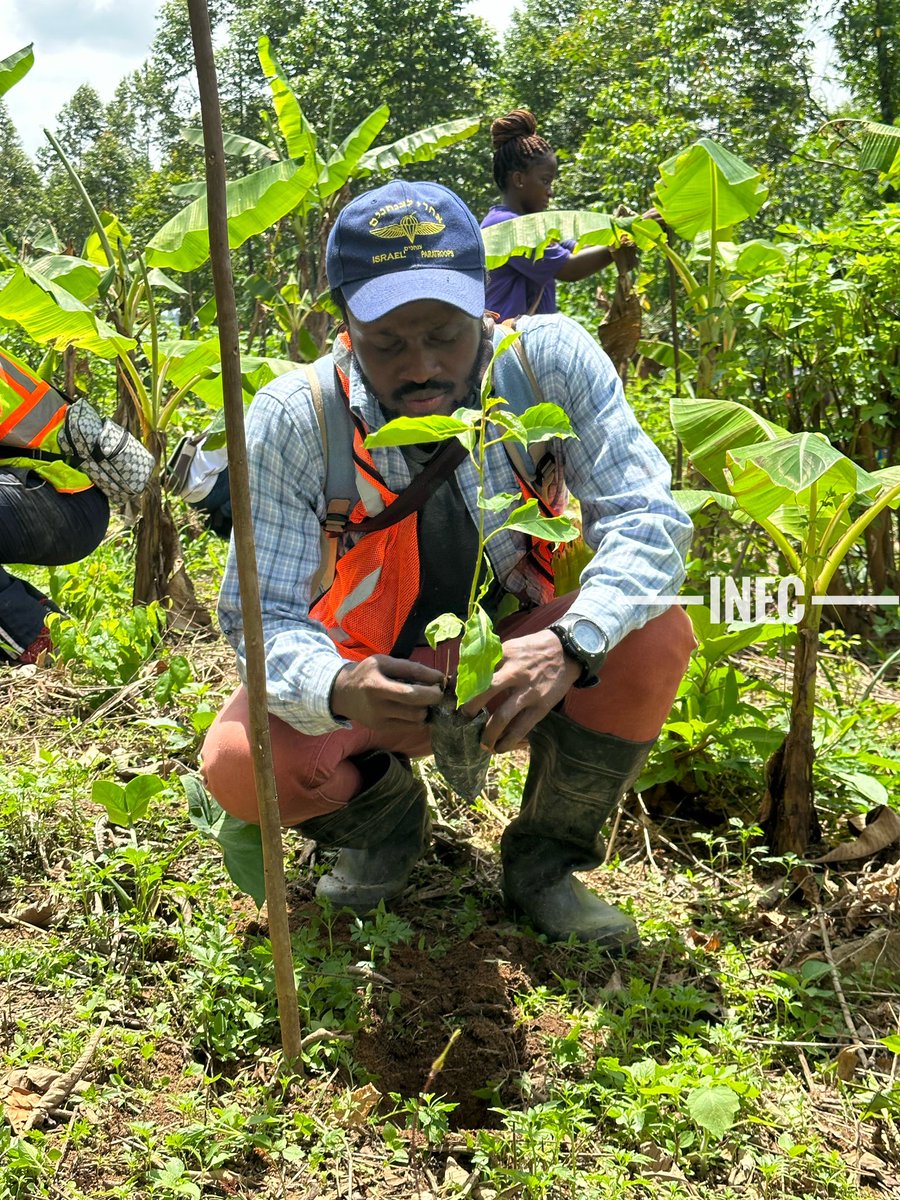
column 406, row 241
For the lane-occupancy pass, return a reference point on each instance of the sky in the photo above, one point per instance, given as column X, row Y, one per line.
column 96, row 42
column 100, row 41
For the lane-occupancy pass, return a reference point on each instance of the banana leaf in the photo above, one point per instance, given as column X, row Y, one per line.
column 706, row 187
column 234, row 144
column 766, row 477
column 421, row 146
column 880, row 148
column 50, row 315
column 533, row 233
column 254, row 202
column 708, row 429
column 78, row 276
column 15, row 67
column 298, row 134
column 344, row 161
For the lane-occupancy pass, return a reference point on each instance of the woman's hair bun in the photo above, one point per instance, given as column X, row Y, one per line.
column 518, row 123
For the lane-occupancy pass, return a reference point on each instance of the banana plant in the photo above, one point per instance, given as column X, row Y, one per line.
column 300, row 186
column 109, row 303
column 815, row 504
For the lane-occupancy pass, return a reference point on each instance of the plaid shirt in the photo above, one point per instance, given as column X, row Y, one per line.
column 614, row 470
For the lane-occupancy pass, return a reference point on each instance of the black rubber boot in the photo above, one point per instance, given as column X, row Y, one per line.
column 576, row 779
column 382, row 834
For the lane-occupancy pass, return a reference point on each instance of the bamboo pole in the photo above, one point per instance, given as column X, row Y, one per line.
column 245, row 548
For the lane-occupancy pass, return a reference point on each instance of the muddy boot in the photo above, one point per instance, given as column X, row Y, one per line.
column 382, row 834
column 575, row 780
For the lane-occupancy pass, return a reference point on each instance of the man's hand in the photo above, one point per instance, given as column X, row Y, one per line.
column 532, row 678
column 390, row 695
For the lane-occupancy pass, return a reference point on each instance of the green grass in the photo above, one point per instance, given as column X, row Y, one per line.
column 704, row 1065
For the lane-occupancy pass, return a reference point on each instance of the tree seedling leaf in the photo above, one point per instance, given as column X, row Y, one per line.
column 240, row 842
column 714, row 1108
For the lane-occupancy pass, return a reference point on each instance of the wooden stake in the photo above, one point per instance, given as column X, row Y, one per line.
column 245, row 548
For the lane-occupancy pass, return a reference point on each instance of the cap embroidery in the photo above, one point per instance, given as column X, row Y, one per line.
column 410, row 226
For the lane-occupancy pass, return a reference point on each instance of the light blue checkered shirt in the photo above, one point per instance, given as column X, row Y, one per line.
column 615, row 471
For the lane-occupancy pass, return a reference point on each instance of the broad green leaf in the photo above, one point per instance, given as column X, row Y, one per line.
column 234, row 144
column 76, row 275
column 343, row 162
column 532, row 234
column 880, row 148
column 413, row 431
column 421, row 146
column 240, row 842
column 116, row 233
column 714, row 1109
column 759, row 257
column 694, row 500
column 110, row 796
column 15, row 67
column 499, row 502
column 718, row 640
column 866, row 786
column 50, row 315
column 138, row 794
column 295, row 129
column 710, row 428
column 479, row 652
column 159, row 279
column 886, row 480
column 254, row 203
column 766, row 476
column 545, row 421
column 663, row 354
column 892, row 1041
column 443, row 628
column 528, row 519
column 706, row 187
column 513, row 429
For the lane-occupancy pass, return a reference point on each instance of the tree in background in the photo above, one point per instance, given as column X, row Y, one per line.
column 99, row 140
column 21, row 193
column 867, row 36
column 622, row 85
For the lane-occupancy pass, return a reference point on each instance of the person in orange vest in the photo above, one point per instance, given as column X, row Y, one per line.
column 586, row 678
column 50, row 512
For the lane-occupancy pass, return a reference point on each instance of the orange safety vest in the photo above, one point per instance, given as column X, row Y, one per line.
column 377, row 581
column 32, row 413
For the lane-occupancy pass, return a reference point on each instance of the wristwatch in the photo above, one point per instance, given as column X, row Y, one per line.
column 586, row 643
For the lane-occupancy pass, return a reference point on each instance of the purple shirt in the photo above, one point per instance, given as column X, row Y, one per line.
column 522, row 284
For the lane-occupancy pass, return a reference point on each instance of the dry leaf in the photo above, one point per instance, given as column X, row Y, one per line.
column 742, row 1171
column 41, row 916
column 708, row 942
column 362, row 1102
column 847, row 1062
column 882, row 830
column 18, row 1099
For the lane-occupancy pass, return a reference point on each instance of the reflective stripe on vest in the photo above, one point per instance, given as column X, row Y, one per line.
column 31, row 411
column 377, row 581
column 31, row 415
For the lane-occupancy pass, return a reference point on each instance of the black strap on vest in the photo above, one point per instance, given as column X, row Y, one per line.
column 412, row 498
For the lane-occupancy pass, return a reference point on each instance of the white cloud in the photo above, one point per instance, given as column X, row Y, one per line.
column 75, row 42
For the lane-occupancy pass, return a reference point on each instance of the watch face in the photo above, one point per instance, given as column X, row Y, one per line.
column 589, row 637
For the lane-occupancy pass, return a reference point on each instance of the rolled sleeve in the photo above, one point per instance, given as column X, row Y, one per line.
column 287, row 469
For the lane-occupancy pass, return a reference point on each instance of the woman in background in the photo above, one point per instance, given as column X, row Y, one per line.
column 525, row 169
